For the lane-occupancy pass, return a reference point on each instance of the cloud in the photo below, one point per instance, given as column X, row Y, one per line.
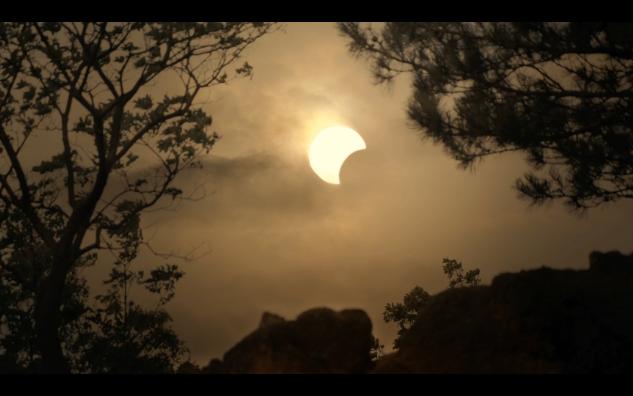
column 254, row 188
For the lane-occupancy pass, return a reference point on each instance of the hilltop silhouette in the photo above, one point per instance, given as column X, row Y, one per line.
column 536, row 321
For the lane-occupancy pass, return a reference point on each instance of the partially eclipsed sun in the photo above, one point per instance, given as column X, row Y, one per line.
column 330, row 149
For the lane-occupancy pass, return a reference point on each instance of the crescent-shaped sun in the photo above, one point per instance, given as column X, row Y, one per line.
column 329, row 150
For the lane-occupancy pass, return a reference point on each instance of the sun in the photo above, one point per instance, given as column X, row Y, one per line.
column 329, row 150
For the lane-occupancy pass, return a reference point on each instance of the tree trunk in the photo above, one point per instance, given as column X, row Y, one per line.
column 47, row 319
column 48, row 304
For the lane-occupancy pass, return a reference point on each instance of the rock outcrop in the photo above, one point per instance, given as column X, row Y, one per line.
column 538, row 321
column 318, row 341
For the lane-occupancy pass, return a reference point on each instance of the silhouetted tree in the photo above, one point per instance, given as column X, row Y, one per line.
column 560, row 92
column 88, row 91
column 455, row 271
column 124, row 337
column 407, row 312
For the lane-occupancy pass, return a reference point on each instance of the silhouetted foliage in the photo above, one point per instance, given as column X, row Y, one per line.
column 124, row 336
column 455, row 272
column 89, row 89
column 559, row 92
column 377, row 350
column 407, row 312
column 188, row 367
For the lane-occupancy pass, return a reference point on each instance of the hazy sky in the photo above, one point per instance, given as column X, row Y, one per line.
column 279, row 239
